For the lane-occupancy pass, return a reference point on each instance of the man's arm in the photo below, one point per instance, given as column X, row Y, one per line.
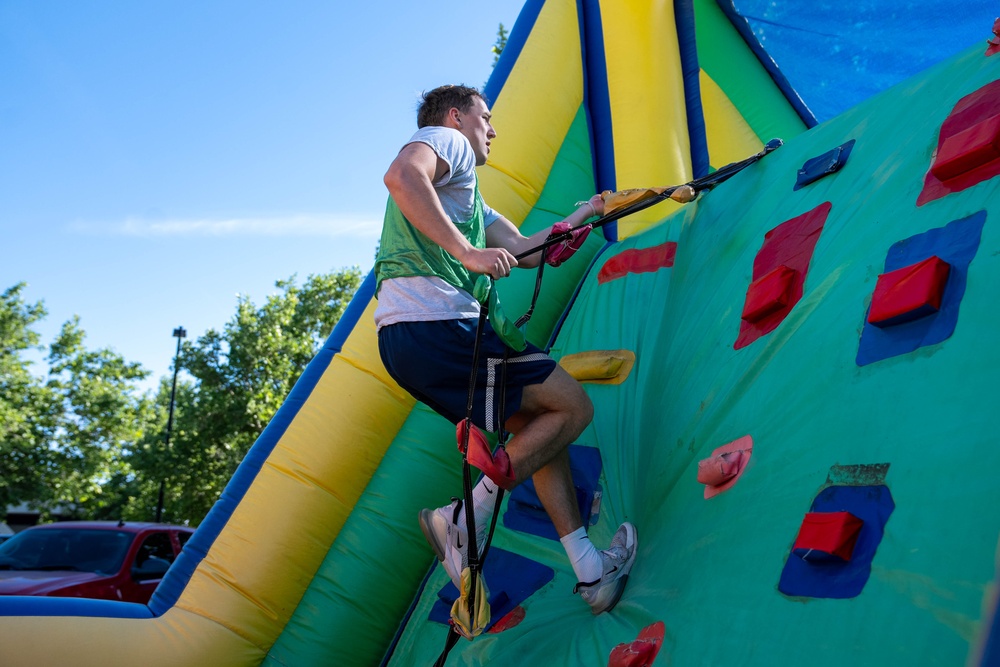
column 410, row 180
column 503, row 234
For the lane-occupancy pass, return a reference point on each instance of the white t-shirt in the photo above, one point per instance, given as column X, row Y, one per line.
column 428, row 298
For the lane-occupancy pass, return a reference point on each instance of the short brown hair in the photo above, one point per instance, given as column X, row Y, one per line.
column 434, row 105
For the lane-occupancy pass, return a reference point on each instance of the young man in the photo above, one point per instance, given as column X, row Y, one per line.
column 438, row 236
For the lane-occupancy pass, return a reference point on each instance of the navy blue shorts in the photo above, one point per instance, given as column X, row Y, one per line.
column 433, row 361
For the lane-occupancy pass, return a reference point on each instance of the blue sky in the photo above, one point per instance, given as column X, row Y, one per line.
column 157, row 159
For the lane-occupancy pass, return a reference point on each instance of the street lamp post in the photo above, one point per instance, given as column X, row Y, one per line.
column 179, row 333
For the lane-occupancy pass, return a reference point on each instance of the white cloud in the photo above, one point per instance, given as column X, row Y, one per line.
column 327, row 226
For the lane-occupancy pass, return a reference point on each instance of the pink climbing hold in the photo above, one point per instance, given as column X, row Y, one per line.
column 718, row 469
column 642, row 651
column 721, row 471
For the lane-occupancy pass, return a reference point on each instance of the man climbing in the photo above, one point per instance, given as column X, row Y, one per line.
column 438, row 236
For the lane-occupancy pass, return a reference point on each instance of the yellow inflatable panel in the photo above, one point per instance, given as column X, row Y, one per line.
column 513, row 180
column 646, row 88
column 176, row 638
column 319, row 472
column 730, row 137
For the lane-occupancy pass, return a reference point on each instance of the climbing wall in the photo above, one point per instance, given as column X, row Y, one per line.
column 795, row 385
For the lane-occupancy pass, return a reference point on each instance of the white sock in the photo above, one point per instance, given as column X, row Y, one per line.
column 484, row 498
column 583, row 556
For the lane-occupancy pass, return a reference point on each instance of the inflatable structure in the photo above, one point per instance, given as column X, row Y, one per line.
column 794, row 381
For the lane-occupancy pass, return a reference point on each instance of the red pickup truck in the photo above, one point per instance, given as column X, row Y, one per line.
column 105, row 560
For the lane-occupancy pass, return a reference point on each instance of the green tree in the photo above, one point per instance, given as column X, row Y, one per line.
column 85, row 438
column 239, row 378
column 500, row 44
column 100, row 414
column 27, row 406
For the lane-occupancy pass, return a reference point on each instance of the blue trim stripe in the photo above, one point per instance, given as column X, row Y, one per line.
column 196, row 549
column 991, row 652
column 516, row 40
column 17, row 605
column 746, row 32
column 597, row 99
column 688, row 47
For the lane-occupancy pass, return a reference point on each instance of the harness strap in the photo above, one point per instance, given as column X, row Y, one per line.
column 476, row 558
column 706, row 182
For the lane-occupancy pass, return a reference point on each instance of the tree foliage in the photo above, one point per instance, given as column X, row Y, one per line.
column 239, row 378
column 83, row 438
column 26, row 405
column 500, row 44
column 100, row 415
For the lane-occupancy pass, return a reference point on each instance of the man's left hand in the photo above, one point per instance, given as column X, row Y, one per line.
column 560, row 252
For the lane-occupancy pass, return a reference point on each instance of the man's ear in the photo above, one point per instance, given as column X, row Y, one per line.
column 453, row 115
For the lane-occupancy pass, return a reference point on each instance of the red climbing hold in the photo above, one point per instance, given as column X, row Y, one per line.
column 994, row 41
column 779, row 273
column 968, row 148
column 909, row 293
column 495, row 465
column 964, row 151
column 769, row 293
column 510, row 620
column 827, row 536
column 642, row 651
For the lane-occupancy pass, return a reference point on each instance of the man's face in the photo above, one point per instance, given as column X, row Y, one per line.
column 475, row 125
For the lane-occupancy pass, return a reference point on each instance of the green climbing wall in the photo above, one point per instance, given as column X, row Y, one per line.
column 921, row 423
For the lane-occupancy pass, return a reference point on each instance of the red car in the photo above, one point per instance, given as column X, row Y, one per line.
column 105, row 560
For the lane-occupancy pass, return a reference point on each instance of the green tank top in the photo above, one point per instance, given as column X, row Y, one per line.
column 405, row 251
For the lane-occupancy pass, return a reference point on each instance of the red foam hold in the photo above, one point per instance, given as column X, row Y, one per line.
column 994, row 42
column 969, row 149
column 790, row 244
column 826, row 536
column 496, row 465
column 644, row 260
column 641, row 652
column 966, row 141
column 769, row 293
column 909, row 293
column 511, row 619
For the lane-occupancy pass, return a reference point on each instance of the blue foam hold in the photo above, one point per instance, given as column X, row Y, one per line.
column 510, row 578
column 829, row 162
column 525, row 512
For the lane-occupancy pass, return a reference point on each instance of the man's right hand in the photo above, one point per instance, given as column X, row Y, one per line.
column 494, row 262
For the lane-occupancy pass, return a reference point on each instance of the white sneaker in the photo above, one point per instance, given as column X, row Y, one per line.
column 602, row 595
column 448, row 538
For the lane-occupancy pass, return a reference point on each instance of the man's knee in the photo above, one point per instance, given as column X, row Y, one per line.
column 582, row 411
column 586, row 408
column 575, row 404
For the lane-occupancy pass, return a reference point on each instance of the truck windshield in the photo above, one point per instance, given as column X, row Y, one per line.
column 78, row 550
